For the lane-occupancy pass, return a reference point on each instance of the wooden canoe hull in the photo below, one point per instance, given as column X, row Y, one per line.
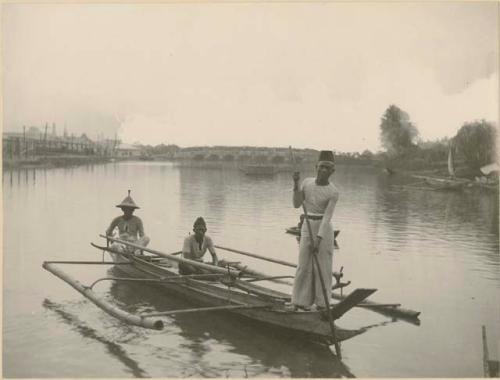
column 443, row 184
column 307, row 324
column 453, row 184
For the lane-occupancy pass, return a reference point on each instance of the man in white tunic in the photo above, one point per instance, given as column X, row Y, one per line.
column 319, row 197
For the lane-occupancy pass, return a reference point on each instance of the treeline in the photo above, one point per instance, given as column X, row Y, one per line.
column 473, row 146
column 167, row 150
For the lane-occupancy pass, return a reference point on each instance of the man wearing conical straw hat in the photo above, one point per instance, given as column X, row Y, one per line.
column 130, row 227
column 319, row 196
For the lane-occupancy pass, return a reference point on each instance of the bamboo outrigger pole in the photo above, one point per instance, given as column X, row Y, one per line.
column 282, row 262
column 286, row 263
column 318, row 268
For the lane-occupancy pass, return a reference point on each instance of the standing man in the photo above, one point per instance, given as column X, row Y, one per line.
column 319, row 196
column 129, row 226
column 195, row 247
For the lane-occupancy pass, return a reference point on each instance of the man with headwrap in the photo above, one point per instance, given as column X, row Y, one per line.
column 195, row 247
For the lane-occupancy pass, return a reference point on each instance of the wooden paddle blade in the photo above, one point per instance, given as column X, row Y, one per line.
column 354, row 298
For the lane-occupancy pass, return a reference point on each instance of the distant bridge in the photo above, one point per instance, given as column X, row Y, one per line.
column 250, row 154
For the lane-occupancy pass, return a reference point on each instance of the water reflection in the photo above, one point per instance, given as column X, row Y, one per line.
column 265, row 349
column 29, row 175
column 114, row 349
column 205, row 197
column 436, row 218
column 392, row 212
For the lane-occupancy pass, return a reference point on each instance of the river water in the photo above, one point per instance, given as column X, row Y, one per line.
column 436, row 252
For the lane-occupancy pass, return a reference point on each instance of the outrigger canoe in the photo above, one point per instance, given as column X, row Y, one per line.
column 227, row 289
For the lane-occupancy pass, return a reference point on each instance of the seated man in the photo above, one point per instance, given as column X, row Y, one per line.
column 130, row 227
column 195, row 246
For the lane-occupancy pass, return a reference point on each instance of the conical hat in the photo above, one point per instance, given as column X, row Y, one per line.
column 128, row 202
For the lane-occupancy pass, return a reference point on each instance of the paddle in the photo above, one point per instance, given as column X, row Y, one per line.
column 314, row 253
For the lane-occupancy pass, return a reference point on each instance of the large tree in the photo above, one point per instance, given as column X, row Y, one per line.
column 397, row 133
column 476, row 141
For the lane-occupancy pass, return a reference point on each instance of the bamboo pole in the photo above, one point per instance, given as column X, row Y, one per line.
column 485, row 353
column 107, row 307
column 208, row 267
column 286, row 263
column 323, row 286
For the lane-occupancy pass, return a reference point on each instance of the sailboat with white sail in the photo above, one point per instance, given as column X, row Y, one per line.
column 450, row 183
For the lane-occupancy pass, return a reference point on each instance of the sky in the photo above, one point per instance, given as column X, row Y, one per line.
column 317, row 75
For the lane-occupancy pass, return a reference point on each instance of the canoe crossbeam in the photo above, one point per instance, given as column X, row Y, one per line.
column 89, row 262
column 161, row 279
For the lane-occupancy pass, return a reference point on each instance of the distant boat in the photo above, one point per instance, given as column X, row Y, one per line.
column 446, row 184
column 451, row 183
column 258, row 170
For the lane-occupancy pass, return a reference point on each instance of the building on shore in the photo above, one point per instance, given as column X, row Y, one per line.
column 128, row 151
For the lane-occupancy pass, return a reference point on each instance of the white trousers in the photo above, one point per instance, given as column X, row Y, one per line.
column 307, row 288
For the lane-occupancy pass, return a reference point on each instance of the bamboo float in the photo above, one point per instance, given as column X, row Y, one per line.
column 107, row 307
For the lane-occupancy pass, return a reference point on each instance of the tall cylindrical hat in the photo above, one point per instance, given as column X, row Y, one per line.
column 326, row 156
column 128, row 202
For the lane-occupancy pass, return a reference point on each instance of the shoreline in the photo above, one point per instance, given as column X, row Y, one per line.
column 437, row 171
column 46, row 162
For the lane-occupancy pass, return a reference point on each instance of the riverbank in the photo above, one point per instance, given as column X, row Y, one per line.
column 52, row 161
